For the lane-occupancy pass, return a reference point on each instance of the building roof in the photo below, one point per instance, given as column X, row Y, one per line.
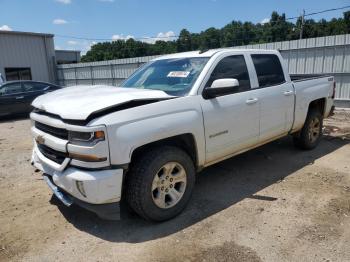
column 67, row 51
column 25, row 33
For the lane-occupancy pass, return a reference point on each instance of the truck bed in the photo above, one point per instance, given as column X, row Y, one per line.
column 311, row 88
column 304, row 77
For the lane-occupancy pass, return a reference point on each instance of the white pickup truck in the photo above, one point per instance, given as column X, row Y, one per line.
column 142, row 143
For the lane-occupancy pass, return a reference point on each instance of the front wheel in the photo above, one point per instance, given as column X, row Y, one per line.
column 311, row 133
column 160, row 183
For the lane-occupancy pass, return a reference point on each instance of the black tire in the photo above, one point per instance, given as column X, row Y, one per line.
column 303, row 139
column 139, row 180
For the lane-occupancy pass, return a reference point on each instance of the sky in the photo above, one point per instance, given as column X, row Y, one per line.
column 120, row 19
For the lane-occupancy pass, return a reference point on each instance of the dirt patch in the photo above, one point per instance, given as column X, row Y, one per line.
column 337, row 126
column 275, row 203
column 326, row 222
column 7, row 252
column 226, row 252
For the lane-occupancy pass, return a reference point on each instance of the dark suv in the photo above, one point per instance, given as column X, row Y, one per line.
column 16, row 96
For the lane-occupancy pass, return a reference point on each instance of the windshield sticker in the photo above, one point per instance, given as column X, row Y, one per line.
column 182, row 74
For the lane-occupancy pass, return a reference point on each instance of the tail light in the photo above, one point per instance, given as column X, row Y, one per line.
column 334, row 85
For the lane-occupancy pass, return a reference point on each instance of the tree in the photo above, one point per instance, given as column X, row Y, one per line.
column 184, row 42
column 210, row 39
column 233, row 34
column 347, row 20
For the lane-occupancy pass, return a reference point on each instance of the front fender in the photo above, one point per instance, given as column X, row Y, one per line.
column 134, row 135
column 178, row 117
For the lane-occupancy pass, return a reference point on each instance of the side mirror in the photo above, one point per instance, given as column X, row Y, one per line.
column 221, row 87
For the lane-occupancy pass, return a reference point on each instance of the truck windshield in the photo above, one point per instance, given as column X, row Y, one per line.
column 173, row 76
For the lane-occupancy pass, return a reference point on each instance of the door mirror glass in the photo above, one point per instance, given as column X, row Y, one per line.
column 221, row 87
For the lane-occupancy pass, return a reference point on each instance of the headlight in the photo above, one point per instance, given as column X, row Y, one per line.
column 87, row 137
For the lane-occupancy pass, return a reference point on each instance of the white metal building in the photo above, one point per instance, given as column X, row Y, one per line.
column 27, row 56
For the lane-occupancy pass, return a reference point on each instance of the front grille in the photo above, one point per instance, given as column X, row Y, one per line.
column 52, row 154
column 54, row 131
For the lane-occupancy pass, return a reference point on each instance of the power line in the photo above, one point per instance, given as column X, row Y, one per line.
column 328, row 10
column 320, row 12
column 314, row 13
column 176, row 36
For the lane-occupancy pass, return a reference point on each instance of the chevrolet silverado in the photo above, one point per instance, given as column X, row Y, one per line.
column 143, row 143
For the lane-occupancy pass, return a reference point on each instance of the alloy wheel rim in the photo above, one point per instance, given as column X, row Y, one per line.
column 314, row 130
column 169, row 185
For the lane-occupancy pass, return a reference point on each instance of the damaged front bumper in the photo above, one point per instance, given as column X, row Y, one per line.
column 109, row 211
column 98, row 191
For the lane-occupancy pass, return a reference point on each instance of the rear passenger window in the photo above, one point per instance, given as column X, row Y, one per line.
column 268, row 69
column 232, row 67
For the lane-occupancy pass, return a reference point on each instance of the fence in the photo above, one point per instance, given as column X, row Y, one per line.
column 110, row 72
column 323, row 55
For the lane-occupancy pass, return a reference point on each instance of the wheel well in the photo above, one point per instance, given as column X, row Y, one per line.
column 318, row 104
column 185, row 141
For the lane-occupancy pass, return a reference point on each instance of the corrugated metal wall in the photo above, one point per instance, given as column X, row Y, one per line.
column 328, row 55
column 35, row 51
column 322, row 55
column 110, row 72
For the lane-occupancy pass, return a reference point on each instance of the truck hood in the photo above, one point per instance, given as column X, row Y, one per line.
column 80, row 102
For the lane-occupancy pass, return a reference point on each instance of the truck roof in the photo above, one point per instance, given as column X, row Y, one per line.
column 211, row 52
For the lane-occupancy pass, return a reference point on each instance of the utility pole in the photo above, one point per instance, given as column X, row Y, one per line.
column 302, row 24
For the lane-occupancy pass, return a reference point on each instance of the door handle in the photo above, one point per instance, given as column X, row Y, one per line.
column 288, row 93
column 19, row 97
column 251, row 101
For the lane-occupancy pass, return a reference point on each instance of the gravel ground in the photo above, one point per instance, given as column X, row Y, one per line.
column 274, row 203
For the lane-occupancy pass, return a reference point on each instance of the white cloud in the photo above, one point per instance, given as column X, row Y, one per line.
column 59, row 21
column 167, row 36
column 82, row 46
column 72, row 42
column 85, row 46
column 5, row 28
column 106, row 1
column 121, row 37
column 265, row 20
column 65, row 2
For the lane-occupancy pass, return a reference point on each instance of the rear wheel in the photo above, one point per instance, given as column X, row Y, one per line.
column 160, row 183
column 311, row 133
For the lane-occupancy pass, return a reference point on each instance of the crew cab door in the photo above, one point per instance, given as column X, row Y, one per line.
column 276, row 96
column 231, row 121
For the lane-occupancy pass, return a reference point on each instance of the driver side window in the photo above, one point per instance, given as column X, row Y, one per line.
column 232, row 67
column 10, row 89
